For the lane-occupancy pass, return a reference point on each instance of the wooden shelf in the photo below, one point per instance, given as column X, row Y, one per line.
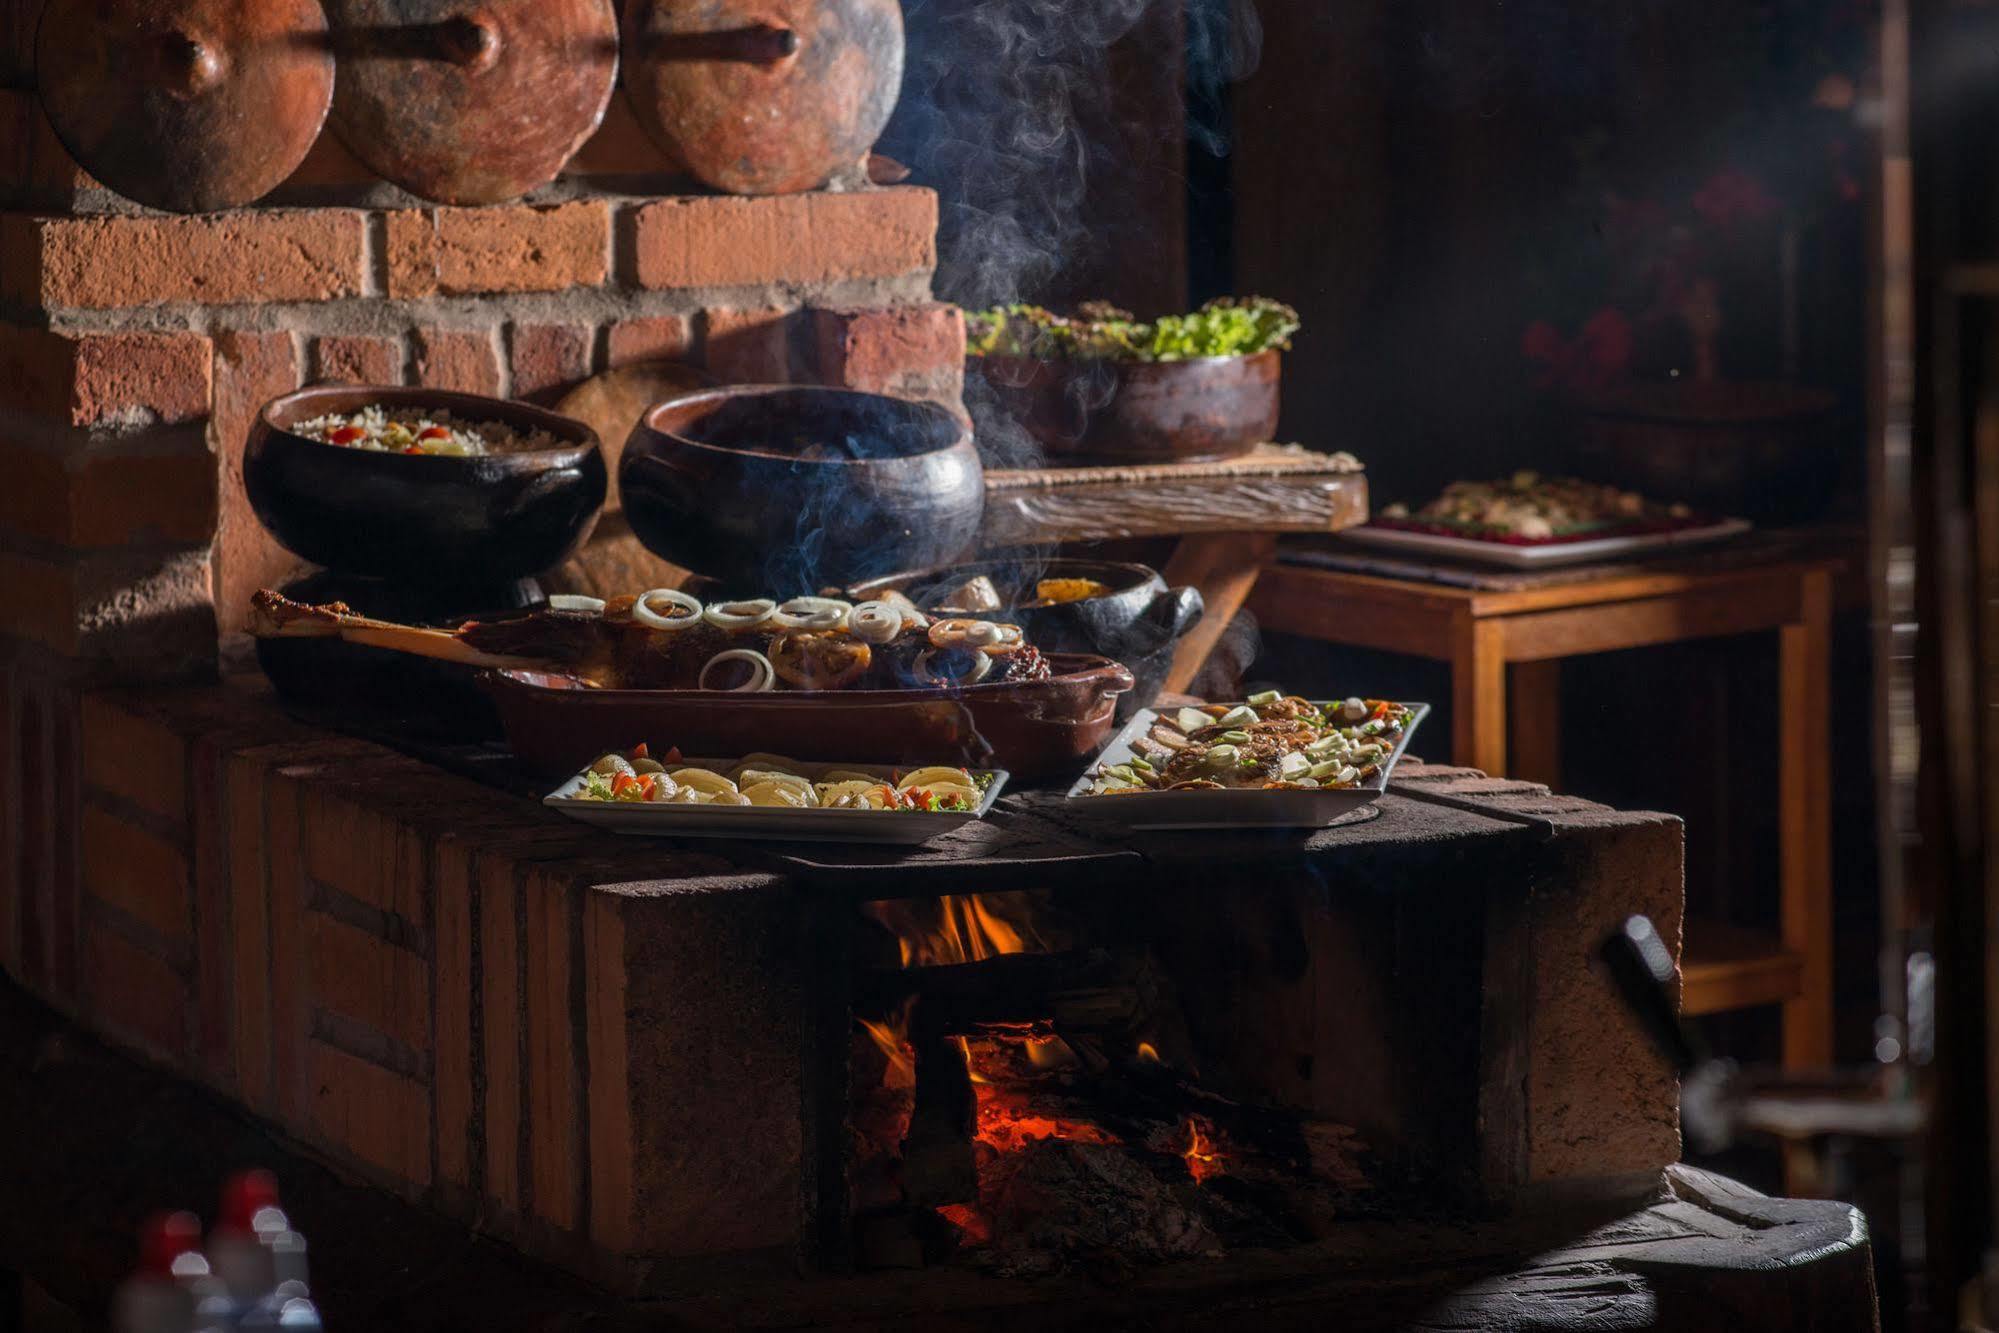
column 1733, row 967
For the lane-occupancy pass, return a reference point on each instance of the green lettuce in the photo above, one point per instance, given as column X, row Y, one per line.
column 1222, row 327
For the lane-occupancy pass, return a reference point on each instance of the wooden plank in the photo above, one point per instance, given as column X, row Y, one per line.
column 1804, row 803
column 289, row 1017
column 500, row 1011
column 1111, row 510
column 611, row 1144
column 1224, row 566
column 1478, row 695
column 452, row 1007
column 1534, row 723
column 1368, row 613
column 369, row 980
column 1729, row 967
column 1706, row 613
column 373, row 1113
column 1633, row 587
column 555, row 1134
column 243, row 797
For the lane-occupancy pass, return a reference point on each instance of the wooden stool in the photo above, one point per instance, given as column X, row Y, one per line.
column 1532, row 626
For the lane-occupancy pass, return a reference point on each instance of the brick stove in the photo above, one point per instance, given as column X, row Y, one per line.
column 654, row 1066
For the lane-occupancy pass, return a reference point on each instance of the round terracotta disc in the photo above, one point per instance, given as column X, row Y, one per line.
column 188, row 105
column 763, row 96
column 471, row 101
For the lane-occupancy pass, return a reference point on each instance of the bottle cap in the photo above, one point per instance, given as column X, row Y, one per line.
column 244, row 1195
column 165, row 1238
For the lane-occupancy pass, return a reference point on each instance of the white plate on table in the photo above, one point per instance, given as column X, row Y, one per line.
column 1544, row 556
column 1245, row 808
column 660, row 819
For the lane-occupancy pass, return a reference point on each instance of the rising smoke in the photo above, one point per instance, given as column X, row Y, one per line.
column 1009, row 111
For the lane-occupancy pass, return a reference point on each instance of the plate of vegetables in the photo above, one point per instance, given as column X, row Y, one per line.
column 1272, row 761
column 770, row 796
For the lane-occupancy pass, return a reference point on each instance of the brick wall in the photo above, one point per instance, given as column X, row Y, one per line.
column 135, row 347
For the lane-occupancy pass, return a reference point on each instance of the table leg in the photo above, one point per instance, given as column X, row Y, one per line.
column 1478, row 694
column 1534, row 724
column 1804, row 728
column 1224, row 566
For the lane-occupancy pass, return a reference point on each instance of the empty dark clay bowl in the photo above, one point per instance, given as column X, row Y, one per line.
column 438, row 521
column 1139, row 411
column 786, row 490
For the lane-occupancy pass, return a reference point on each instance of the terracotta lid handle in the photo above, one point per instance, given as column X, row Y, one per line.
column 468, row 40
column 190, row 66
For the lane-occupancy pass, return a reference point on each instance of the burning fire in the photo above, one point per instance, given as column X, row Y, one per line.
column 962, row 929
column 901, row 1071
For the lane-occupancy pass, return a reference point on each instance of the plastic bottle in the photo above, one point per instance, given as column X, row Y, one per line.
column 239, row 1246
column 289, row 1306
column 156, row 1298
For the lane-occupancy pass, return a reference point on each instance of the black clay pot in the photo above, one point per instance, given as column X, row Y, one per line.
column 780, row 491
column 427, row 520
column 1136, row 623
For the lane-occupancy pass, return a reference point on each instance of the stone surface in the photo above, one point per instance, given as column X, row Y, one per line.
column 107, row 497
column 147, row 259
column 250, row 370
column 725, row 241
column 122, row 379
column 654, row 338
column 915, row 351
column 747, row 346
column 466, row 360
column 547, row 358
column 511, row 248
column 357, row 359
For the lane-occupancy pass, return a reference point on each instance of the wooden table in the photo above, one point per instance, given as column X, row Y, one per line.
column 1531, row 626
column 1227, row 516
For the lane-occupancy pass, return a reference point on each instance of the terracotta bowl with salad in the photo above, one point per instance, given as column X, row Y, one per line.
column 1102, row 387
column 422, row 485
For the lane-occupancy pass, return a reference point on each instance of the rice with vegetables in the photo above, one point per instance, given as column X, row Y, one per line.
column 409, row 430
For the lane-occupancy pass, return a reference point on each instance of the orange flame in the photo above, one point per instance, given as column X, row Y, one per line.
column 1149, row 1053
column 962, row 929
column 900, row 1058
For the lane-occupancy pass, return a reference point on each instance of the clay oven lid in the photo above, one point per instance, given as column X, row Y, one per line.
column 763, row 96
column 187, row 105
column 471, row 101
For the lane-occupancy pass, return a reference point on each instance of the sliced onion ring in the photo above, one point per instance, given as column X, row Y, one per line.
column 986, row 636
column 571, row 601
column 812, row 613
column 982, row 666
column 739, row 615
column 875, row 622
column 645, row 615
column 762, row 674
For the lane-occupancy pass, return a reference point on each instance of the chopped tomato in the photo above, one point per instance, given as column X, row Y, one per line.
column 639, row 751
column 648, row 785
column 673, row 755
column 621, row 782
column 413, row 449
column 345, row 434
column 1381, row 709
column 433, row 433
column 922, row 798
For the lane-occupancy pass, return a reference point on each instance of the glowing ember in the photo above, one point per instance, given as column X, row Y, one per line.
column 1204, row 1158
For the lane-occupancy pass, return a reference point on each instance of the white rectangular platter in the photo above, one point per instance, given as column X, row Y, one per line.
column 1249, row 808
column 1540, row 557
column 904, row 828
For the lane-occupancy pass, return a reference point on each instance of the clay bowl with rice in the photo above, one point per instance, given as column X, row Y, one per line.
column 423, row 486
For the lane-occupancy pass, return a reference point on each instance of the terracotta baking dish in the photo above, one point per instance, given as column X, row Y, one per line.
column 1034, row 729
